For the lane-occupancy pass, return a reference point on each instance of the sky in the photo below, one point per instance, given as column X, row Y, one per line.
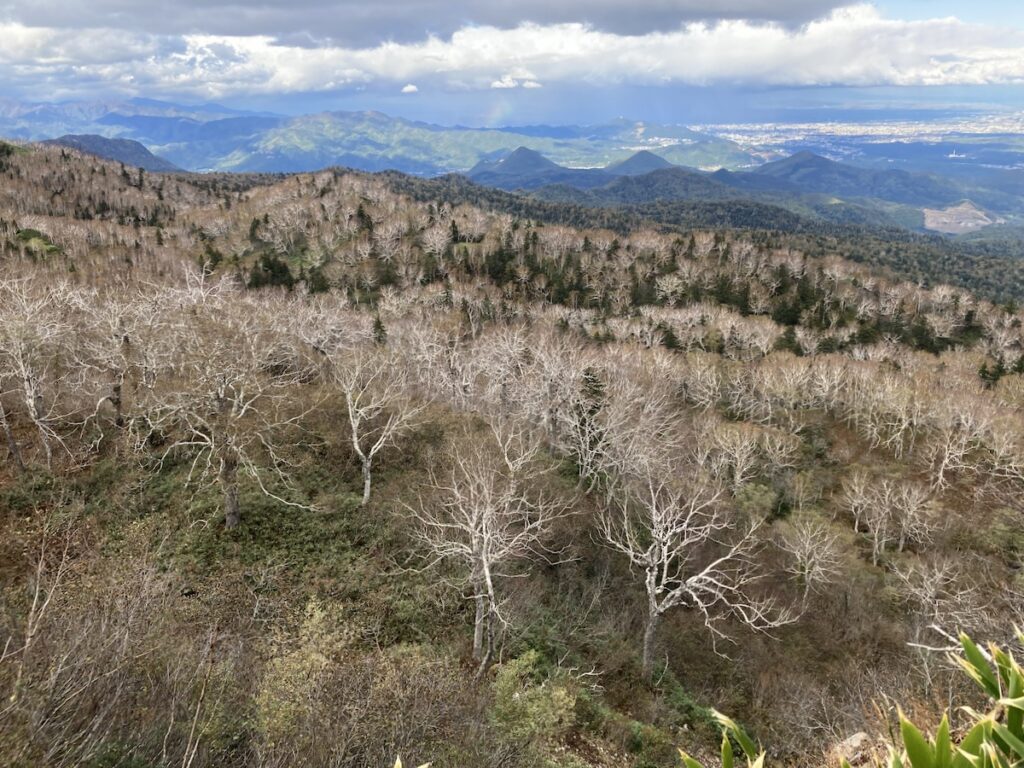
column 501, row 62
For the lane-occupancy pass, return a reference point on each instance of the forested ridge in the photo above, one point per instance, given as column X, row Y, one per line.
column 326, row 468
column 989, row 266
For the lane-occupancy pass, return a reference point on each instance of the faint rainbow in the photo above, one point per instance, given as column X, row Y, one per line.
column 499, row 111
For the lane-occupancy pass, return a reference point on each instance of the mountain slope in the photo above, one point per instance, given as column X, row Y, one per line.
column 744, row 192
column 665, row 184
column 286, row 609
column 813, row 173
column 520, row 162
column 989, row 268
column 642, row 162
column 527, row 169
column 806, row 184
column 125, row 151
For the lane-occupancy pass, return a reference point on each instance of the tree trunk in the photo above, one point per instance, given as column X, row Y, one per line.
column 366, row 481
column 34, row 401
column 229, row 487
column 485, row 662
column 490, row 617
column 116, row 401
column 649, row 632
column 47, row 448
column 12, row 444
column 478, row 628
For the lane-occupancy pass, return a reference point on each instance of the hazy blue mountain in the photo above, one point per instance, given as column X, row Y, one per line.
column 372, row 141
column 755, row 182
column 527, row 169
column 988, row 160
column 120, row 150
column 173, row 130
column 642, row 162
column 212, row 137
column 646, row 177
column 550, row 131
column 516, row 163
column 37, row 121
column 663, row 184
column 747, row 190
column 806, row 184
column 814, row 173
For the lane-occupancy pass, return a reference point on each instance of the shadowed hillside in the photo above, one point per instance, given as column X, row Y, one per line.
column 120, row 150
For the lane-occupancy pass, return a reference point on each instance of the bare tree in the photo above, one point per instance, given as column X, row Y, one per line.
column 226, row 395
column 679, row 536
column 45, row 584
column 375, row 386
column 70, row 673
column 587, row 423
column 856, row 496
column 119, row 345
column 642, row 428
column 942, row 601
column 913, row 514
column 35, row 339
column 488, row 516
column 961, row 425
column 437, row 238
column 878, row 519
column 897, row 513
column 813, row 551
column 736, row 452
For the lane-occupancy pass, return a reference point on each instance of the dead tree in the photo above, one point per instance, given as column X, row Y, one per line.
column 487, row 517
column 227, row 392
column 35, row 339
column 814, row 555
column 375, row 387
column 690, row 551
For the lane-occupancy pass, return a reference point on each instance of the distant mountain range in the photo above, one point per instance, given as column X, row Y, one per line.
column 527, row 169
column 122, row 150
column 212, row 137
column 621, row 163
column 806, row 184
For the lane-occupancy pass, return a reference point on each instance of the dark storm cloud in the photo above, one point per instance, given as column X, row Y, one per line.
column 365, row 23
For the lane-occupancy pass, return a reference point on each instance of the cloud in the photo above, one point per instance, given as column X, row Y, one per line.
column 854, row 46
column 358, row 23
column 518, row 81
column 410, row 88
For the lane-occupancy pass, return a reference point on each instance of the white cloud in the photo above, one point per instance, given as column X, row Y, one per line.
column 517, row 78
column 506, row 81
column 853, row 46
column 410, row 88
